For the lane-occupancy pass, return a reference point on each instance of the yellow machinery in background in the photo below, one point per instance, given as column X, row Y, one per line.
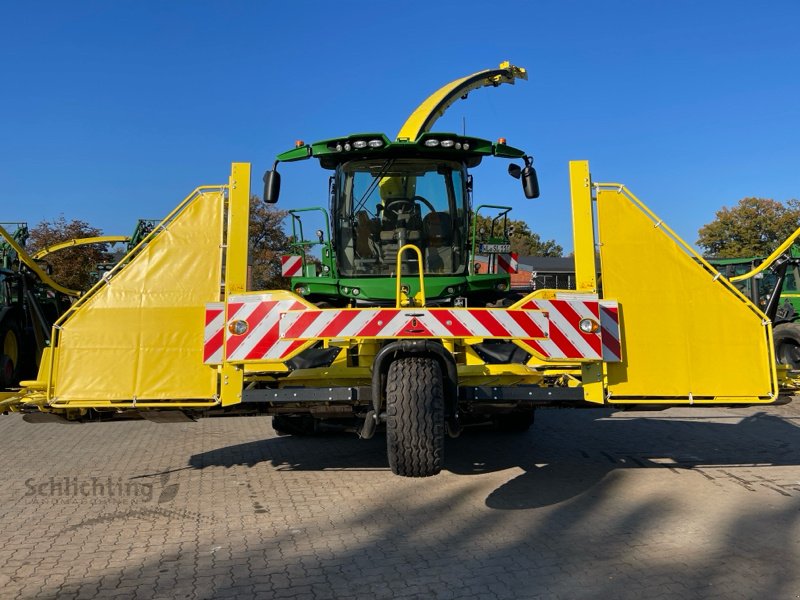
column 77, row 242
column 30, row 303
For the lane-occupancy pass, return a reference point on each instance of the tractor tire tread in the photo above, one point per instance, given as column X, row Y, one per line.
column 18, row 365
column 415, row 416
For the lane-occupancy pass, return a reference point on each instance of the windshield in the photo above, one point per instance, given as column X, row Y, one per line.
column 383, row 205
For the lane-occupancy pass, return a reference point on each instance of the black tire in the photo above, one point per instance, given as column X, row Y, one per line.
column 293, row 425
column 11, row 350
column 518, row 421
column 787, row 344
column 6, row 371
column 415, row 417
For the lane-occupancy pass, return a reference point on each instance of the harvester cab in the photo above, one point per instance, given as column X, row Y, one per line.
column 403, row 227
column 403, row 208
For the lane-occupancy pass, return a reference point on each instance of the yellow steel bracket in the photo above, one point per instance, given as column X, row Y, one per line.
column 592, row 374
column 102, row 239
column 403, row 298
column 232, row 381
column 583, row 226
column 31, row 264
column 435, row 105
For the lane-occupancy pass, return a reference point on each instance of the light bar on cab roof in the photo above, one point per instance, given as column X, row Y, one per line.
column 348, row 144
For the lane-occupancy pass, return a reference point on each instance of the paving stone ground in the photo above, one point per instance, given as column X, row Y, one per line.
column 685, row 503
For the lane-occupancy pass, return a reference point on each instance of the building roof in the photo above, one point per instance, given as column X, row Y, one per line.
column 547, row 264
column 543, row 264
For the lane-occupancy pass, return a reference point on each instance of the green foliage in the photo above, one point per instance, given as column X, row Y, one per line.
column 754, row 227
column 71, row 267
column 523, row 241
column 267, row 242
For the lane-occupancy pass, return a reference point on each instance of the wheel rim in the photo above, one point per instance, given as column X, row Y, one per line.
column 11, row 347
column 789, row 354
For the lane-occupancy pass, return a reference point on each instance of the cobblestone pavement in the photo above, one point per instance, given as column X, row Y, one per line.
column 686, row 503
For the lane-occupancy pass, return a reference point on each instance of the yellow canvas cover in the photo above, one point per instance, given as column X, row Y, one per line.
column 140, row 335
column 687, row 334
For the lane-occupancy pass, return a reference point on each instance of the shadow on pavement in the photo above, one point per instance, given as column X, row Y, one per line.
column 566, row 453
column 588, row 529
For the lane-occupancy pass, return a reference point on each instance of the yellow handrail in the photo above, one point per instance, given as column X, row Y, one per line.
column 765, row 264
column 621, row 189
column 421, row 292
column 157, row 229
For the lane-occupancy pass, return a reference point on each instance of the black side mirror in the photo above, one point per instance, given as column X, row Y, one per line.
column 272, row 186
column 530, row 182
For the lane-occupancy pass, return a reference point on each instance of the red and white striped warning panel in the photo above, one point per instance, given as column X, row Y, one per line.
column 213, row 336
column 257, row 316
column 271, row 327
column 567, row 340
column 261, row 339
column 291, row 265
column 507, row 263
column 609, row 328
column 413, row 322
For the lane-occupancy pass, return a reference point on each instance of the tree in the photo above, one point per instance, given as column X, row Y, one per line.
column 71, row 267
column 523, row 241
column 754, row 227
column 267, row 242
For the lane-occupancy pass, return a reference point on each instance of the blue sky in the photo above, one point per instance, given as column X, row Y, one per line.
column 114, row 111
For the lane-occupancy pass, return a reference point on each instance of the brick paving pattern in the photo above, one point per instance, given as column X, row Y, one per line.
column 685, row 503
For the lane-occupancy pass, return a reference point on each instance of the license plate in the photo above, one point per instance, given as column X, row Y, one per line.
column 494, row 248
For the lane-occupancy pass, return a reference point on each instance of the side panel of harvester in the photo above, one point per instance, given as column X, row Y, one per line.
column 137, row 336
column 689, row 336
